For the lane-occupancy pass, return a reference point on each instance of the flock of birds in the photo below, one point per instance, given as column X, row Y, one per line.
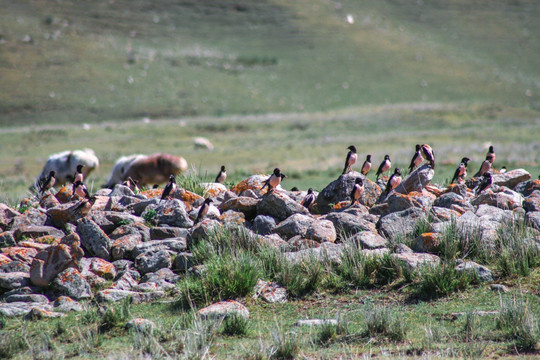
column 423, row 152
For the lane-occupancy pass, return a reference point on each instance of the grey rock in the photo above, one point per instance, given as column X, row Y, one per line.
column 125, row 282
column 202, row 230
column 172, row 245
column 164, row 274
column 441, row 214
column 223, row 309
column 93, row 239
column 14, row 280
column 153, row 261
column 71, row 283
column 402, row 249
column 348, row 224
column 416, row 181
column 340, row 190
column 34, row 231
column 531, row 203
column 488, row 212
column 31, row 217
column 122, row 247
column 505, row 199
column 270, row 292
column 7, row 239
column 141, row 325
column 121, row 190
column 7, row 215
column 21, row 308
column 449, row 199
column 28, row 298
column 67, row 304
column 327, row 252
column 368, row 240
column 161, row 233
column 296, row 224
column 401, row 223
column 321, row 231
column 243, row 204
column 132, row 228
column 279, row 205
column 171, row 212
column 108, row 221
column 113, row 295
column 315, row 322
column 511, row 178
column 499, row 288
column 139, row 208
column 263, row 224
column 15, row 266
column 183, row 262
column 533, row 219
column 526, row 188
column 413, row 261
column 483, row 273
column 126, row 201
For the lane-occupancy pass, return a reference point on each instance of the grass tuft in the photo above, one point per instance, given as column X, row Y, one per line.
column 443, row 279
column 380, row 321
column 519, row 323
column 235, row 325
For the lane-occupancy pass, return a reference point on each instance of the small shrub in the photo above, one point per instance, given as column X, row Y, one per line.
column 192, row 293
column 443, row 279
column 301, row 278
column 116, row 315
column 150, row 215
column 11, row 343
column 385, row 322
column 471, row 327
column 191, row 182
column 519, row 324
column 286, row 345
column 235, row 325
column 516, row 251
column 329, row 332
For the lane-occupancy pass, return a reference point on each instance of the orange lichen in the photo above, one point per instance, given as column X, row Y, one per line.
column 153, row 193
column 342, row 205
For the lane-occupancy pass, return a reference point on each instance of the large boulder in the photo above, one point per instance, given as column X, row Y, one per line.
column 93, row 239
column 511, row 178
column 347, row 224
column 401, row 223
column 171, row 212
column 416, row 181
column 340, row 190
column 7, row 215
column 296, row 224
column 244, row 204
column 71, row 283
column 321, row 230
column 223, row 309
column 279, row 205
column 399, row 202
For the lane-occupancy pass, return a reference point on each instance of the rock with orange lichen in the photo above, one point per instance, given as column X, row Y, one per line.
column 321, row 231
column 270, row 292
column 31, row 217
column 511, row 178
column 33, row 231
column 13, row 280
column 279, row 205
column 71, row 283
column 297, row 243
column 533, row 220
column 505, row 199
column 141, row 325
column 213, row 190
column 460, row 189
column 398, row 202
column 93, row 239
column 122, row 246
column 67, row 304
column 450, row 199
column 340, row 189
column 20, row 253
column 428, row 242
column 171, row 212
column 7, row 215
column 189, row 198
column 413, row 261
column 4, row 259
column 526, row 188
column 64, row 194
column 102, row 268
column 224, row 309
column 532, row 202
column 232, row 217
column 49, row 201
column 443, row 214
column 253, row 183
column 50, row 262
column 113, row 295
column 416, row 181
column 38, row 314
column 7, row 239
column 244, row 204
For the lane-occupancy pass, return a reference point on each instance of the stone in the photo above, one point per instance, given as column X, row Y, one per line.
column 167, row 232
column 505, row 199
column 141, row 325
column 531, row 203
column 123, row 246
column 296, row 224
column 223, row 309
column 340, row 190
column 263, row 224
column 511, row 178
column 33, row 231
column 449, row 199
column 172, row 245
column 93, row 239
column 102, row 268
column 113, row 295
column 398, row 202
column 526, row 188
column 109, row 221
column 416, row 181
column 327, row 252
column 67, row 304
column 428, row 242
column 7, row 239
column 533, row 219
column 441, row 214
column 347, row 224
column 253, row 183
column 14, row 266
column 244, row 204
column 138, row 208
column 231, row 217
column 132, row 229
column 28, row 298
column 316, row 322
column 31, row 217
column 7, row 215
column 153, row 261
column 50, row 262
column 14, row 280
column 368, row 240
column 71, row 283
column 183, row 261
column 213, row 190
column 499, row 288
column 171, row 212
column 38, row 314
column 483, row 273
column 202, row 230
column 298, row 243
column 23, row 254
column 270, row 292
column 321, row 231
column 121, row 190
column 21, row 308
column 401, row 223
column 280, row 206
column 412, row 261
column 459, row 189
column 125, row 282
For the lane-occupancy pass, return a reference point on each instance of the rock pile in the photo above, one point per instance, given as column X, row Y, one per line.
column 134, row 245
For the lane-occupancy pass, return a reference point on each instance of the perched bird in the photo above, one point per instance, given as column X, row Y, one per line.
column 416, row 159
column 80, row 190
column 169, row 188
column 45, row 184
column 485, row 184
column 366, row 166
column 132, row 184
column 503, row 170
column 82, row 208
column 385, row 166
column 78, row 174
column 308, row 199
column 203, row 210
column 350, row 160
column 394, row 181
column 461, row 171
column 429, row 155
column 484, row 168
column 357, row 190
column 274, row 180
column 491, row 154
column 222, row 176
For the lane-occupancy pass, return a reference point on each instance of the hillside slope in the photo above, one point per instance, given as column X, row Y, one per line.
column 76, row 61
